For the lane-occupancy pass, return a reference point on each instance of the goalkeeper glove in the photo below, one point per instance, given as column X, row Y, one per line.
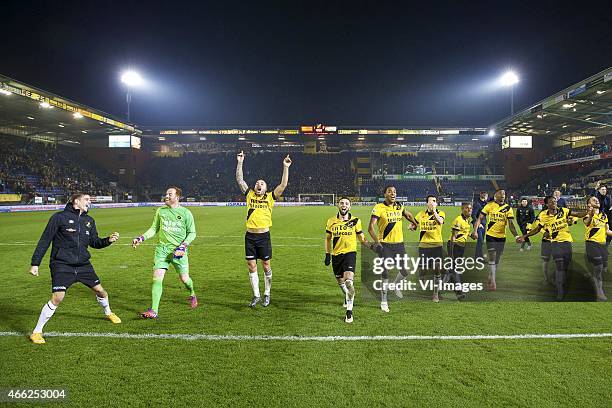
column 327, row 259
column 179, row 252
column 137, row 241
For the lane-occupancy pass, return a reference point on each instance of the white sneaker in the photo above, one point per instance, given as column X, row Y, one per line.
column 384, row 306
column 349, row 316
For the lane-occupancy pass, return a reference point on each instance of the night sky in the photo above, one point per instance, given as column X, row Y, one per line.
column 292, row 62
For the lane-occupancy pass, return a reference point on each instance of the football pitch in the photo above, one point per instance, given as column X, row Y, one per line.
column 298, row 351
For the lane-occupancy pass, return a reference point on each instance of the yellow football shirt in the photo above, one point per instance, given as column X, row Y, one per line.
column 556, row 225
column 596, row 230
column 259, row 209
column 462, row 227
column 344, row 233
column 389, row 222
column 430, row 235
column 497, row 218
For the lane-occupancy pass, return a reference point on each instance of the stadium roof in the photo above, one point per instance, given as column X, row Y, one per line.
column 579, row 111
column 30, row 112
column 330, row 133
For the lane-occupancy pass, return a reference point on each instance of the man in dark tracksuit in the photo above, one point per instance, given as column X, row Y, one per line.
column 71, row 231
column 605, row 205
column 524, row 215
column 478, row 205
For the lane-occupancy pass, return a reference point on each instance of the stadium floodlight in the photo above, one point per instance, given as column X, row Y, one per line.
column 509, row 79
column 5, row 92
column 131, row 79
column 491, row 132
column 45, row 105
column 77, row 115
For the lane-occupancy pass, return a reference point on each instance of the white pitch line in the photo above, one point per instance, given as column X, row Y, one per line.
column 229, row 337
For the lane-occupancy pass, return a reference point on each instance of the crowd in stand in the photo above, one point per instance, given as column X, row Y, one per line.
column 586, row 151
column 214, row 175
column 425, row 163
column 35, row 168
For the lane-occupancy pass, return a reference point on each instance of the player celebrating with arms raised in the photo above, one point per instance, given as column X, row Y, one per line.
column 499, row 214
column 257, row 243
column 341, row 233
column 71, row 231
column 389, row 240
column 176, row 229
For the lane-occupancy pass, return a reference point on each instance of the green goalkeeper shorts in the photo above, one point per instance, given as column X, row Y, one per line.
column 164, row 257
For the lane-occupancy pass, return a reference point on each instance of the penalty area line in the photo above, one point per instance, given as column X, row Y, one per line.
column 232, row 337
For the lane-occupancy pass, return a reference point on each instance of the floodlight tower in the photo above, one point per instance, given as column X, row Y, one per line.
column 509, row 79
column 131, row 79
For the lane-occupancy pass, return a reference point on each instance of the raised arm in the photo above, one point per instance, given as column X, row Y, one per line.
column 239, row 177
column 278, row 191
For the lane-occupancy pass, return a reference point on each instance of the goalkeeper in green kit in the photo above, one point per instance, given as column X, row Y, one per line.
column 176, row 231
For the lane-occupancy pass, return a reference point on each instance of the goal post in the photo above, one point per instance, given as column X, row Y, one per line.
column 329, row 199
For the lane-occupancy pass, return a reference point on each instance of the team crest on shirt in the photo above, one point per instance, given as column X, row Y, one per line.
column 88, row 225
column 70, row 221
column 178, row 217
column 352, row 222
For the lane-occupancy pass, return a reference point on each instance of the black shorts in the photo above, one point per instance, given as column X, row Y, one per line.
column 546, row 250
column 562, row 251
column 431, row 258
column 498, row 244
column 390, row 250
column 596, row 253
column 344, row 263
column 62, row 277
column 455, row 250
column 257, row 246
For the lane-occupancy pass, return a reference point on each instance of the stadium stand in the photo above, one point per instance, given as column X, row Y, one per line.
column 212, row 176
column 35, row 168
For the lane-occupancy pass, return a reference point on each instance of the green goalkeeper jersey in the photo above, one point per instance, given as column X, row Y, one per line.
column 175, row 226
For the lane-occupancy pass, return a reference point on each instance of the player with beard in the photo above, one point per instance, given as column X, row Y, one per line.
column 342, row 230
column 257, row 243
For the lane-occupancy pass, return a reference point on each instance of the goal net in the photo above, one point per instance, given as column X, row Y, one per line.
column 329, row 199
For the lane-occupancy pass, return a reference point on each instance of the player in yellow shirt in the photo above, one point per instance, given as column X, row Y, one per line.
column 257, row 243
column 555, row 221
column 595, row 234
column 460, row 232
column 499, row 216
column 342, row 231
column 386, row 231
column 430, row 223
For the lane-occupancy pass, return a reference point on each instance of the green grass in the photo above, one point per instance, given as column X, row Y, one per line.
column 306, row 302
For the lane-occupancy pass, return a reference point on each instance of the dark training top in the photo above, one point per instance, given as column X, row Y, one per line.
column 71, row 234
